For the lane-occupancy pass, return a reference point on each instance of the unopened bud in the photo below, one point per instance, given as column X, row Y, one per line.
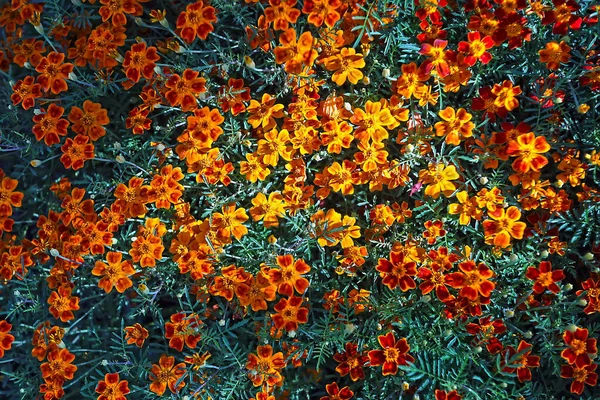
column 249, row 62
column 568, row 287
column 120, row 159
column 513, row 258
column 385, row 73
column 35, row 163
column 54, row 253
column 588, row 256
column 544, row 254
column 483, row 180
column 528, row 335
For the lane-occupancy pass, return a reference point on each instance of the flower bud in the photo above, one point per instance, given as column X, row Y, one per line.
column 249, row 62
column 386, row 73
column 582, row 302
column 35, row 163
column 72, row 76
column 528, row 335
column 483, row 180
column 571, row 328
column 120, row 159
column 509, row 313
column 588, row 256
column 366, row 80
column 27, row 65
column 143, row 289
column 544, row 254
column 478, row 349
column 513, row 258
column 568, row 287
column 160, row 147
column 54, row 253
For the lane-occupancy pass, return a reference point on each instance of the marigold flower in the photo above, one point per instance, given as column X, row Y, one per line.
column 456, row 125
column 230, row 222
column 49, row 125
column 8, row 196
column 132, row 199
column 167, row 374
column 442, row 395
column 26, row 91
column 115, row 10
column 554, row 54
column 545, row 277
column 289, row 275
column 257, row 292
column 263, row 114
column 6, row 339
column 274, row 145
column 265, row 366
column 373, row 121
column 563, row 16
column 524, row 360
column 335, row 393
column 473, row 280
column 504, row 226
column 437, row 57
column 269, row 210
column 582, row 375
column 476, row 48
column 231, row 277
column 296, row 54
column 114, row 274
column 290, row 314
column 62, row 304
column 183, row 329
column 322, row 11
column 233, row 96
column 281, row 13
column 166, row 187
column 434, row 278
column 397, row 271
column 580, row 347
column 140, row 61
column 528, row 149
column 185, row 88
column 351, row 362
column 466, row 208
column 394, row 353
column 14, row 261
column 506, row 95
column 136, row 334
column 111, row 388
column 138, row 121
column 89, row 120
column 146, row 250
column 59, row 365
column 53, row 72
column 438, row 177
column 346, row 64
column 411, row 81
column 196, row 21
column 76, row 152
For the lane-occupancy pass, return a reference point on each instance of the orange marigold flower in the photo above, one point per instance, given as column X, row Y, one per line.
column 282, row 13
column 115, row 10
column 166, row 186
column 167, row 374
column 563, row 15
column 504, row 226
column 411, row 81
column 6, row 339
column 438, row 177
column 397, row 271
column 230, row 222
column 269, row 210
column 290, row 314
column 196, row 21
column 204, row 126
column 226, row 284
column 273, row 145
column 26, row 91
column 554, row 54
column 132, row 199
column 434, row 230
column 264, row 366
column 506, row 95
column 62, row 304
column 89, row 120
column 136, row 334
column 580, row 347
column 49, row 125
column 76, row 210
column 296, row 54
column 346, row 64
column 581, row 375
column 335, row 393
column 545, row 277
column 473, row 280
column 146, row 250
column 434, row 278
column 456, row 125
column 76, row 152
column 53, row 72
column 466, row 208
column 373, row 121
column 351, row 362
column 343, row 177
column 289, row 275
column 437, row 57
column 528, row 149
column 182, row 330
column 29, row 50
column 263, row 114
column 14, row 261
column 184, row 89
column 140, row 61
column 394, row 353
column 59, row 365
column 8, row 196
column 111, row 388
column 322, row 11
column 114, row 274
column 520, row 357
column 257, row 292
column 138, row 121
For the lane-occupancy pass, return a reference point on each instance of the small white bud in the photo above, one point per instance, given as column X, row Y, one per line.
column 37, row 111
column 528, row 335
column 513, row 258
column 379, row 327
column 133, row 239
column 544, row 254
column 221, row 322
column 348, row 106
column 120, row 159
column 572, row 328
column 582, row 302
column 426, row 298
column 160, row 147
column 54, row 253
column 117, row 146
column 35, row 163
column 568, row 287
column 72, row 76
column 62, row 344
column 104, row 363
column 385, row 73
column 114, row 241
column 27, row 65
column 249, row 62
column 509, row 313
column 410, row 147
column 478, row 349
column 483, row 180
column 157, row 70
column 292, row 334
column 349, row 328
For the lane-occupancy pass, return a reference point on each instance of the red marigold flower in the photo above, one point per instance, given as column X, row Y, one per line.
column 473, row 280
column 563, row 15
column 579, row 347
column 111, row 388
column 115, row 10
column 524, row 361
column 196, row 21
column 233, row 96
column 290, row 314
column 140, row 60
column 182, row 329
column 335, row 393
column 76, row 152
column 289, row 275
column 437, row 57
column 136, row 334
column 442, row 395
column 138, row 121
column 351, row 362
column 184, row 89
column 476, row 48
column 581, row 375
column 89, row 120
column 545, row 277
column 282, row 13
column 528, row 149
column 6, row 339
column 394, row 353
column 49, row 125
column 53, row 72
column 396, row 272
column 434, row 279
column 62, row 304
column 322, row 11
column 26, row 91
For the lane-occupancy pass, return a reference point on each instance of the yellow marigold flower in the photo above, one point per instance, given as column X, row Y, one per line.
column 346, row 65
column 438, row 177
column 268, row 209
